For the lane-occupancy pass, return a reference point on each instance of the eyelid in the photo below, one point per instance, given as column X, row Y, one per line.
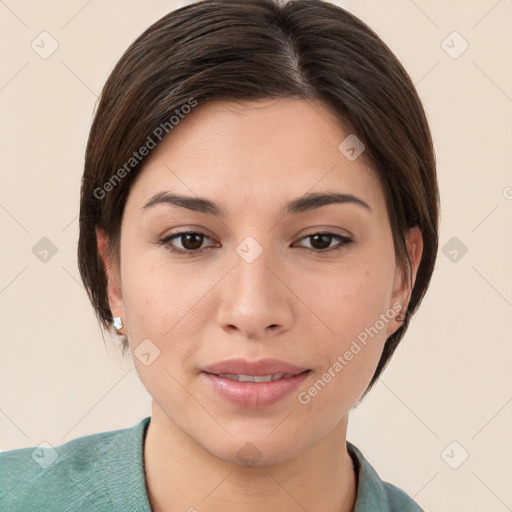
column 317, row 230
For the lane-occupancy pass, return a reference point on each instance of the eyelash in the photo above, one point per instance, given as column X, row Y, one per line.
column 344, row 242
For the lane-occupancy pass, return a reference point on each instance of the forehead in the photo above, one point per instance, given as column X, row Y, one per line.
column 266, row 151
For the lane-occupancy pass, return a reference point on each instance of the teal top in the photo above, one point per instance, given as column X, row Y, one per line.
column 104, row 472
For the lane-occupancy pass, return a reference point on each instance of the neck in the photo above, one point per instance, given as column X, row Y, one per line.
column 182, row 475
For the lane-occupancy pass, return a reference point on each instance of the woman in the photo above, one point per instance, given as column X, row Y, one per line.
column 258, row 221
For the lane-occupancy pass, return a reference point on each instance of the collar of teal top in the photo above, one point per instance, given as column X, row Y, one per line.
column 124, row 469
column 124, row 475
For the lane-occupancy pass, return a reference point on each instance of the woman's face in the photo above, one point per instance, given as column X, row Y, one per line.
column 261, row 285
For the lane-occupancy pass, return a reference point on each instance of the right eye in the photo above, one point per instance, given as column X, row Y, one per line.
column 191, row 242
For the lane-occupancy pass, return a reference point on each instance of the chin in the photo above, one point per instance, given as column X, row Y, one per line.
column 255, row 454
column 257, row 444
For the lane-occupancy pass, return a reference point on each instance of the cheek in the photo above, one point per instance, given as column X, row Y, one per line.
column 159, row 306
column 348, row 359
column 350, row 299
column 355, row 312
column 160, row 298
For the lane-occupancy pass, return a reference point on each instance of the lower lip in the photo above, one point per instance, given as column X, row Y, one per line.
column 254, row 395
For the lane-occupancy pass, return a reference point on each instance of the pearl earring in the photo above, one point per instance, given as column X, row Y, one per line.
column 118, row 323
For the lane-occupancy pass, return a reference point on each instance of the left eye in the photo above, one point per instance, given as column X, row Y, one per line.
column 323, row 240
column 192, row 241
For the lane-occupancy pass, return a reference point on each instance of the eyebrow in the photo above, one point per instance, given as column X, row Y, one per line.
column 301, row 204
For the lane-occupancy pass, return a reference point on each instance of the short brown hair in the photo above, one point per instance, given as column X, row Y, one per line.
column 261, row 49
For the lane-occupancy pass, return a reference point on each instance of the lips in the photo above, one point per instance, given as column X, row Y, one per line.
column 239, row 377
column 255, row 384
column 259, row 368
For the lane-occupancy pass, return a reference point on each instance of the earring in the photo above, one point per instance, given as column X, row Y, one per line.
column 118, row 323
column 400, row 318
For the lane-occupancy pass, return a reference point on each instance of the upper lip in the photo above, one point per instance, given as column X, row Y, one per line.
column 258, row 368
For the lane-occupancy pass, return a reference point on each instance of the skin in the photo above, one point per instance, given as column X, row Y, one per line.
column 214, row 305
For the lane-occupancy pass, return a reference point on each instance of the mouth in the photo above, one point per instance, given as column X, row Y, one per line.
column 255, row 384
column 255, row 378
column 270, row 369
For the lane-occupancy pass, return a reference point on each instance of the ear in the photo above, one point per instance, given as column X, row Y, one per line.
column 115, row 297
column 403, row 284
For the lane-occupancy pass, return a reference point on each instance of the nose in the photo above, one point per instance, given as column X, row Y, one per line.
column 255, row 300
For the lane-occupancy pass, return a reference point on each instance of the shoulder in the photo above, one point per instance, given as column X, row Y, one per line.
column 399, row 500
column 375, row 494
column 72, row 476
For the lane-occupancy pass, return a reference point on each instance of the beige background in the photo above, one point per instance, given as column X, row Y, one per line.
column 451, row 378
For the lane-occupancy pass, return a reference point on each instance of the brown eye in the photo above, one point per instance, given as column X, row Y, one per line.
column 190, row 242
column 321, row 242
